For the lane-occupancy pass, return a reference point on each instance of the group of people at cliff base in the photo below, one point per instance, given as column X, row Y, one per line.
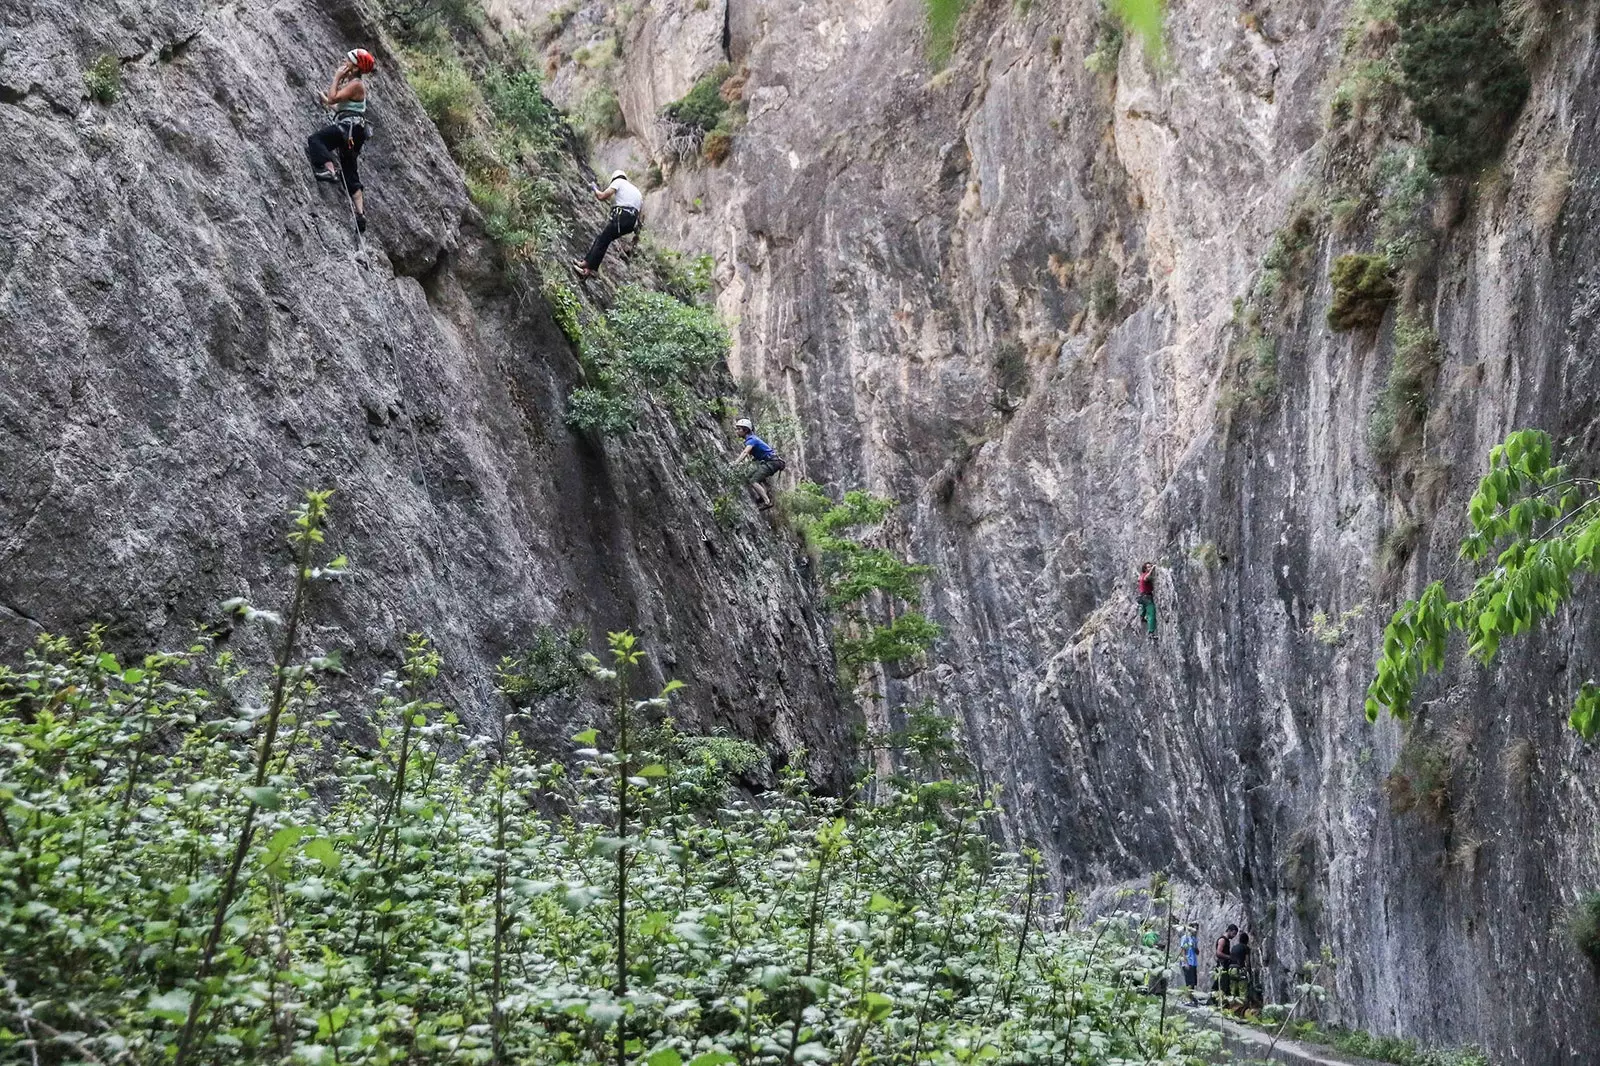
column 1231, row 984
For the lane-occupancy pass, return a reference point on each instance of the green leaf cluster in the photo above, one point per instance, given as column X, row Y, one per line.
column 1535, row 526
column 943, row 16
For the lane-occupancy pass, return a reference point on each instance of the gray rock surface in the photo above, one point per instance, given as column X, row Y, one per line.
column 187, row 343
column 890, row 239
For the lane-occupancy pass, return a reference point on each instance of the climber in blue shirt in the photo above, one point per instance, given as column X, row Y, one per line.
column 763, row 460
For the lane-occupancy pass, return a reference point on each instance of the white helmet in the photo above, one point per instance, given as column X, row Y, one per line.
column 615, row 174
column 745, row 423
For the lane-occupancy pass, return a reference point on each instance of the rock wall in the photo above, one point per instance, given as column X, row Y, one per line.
column 1006, row 293
column 187, row 342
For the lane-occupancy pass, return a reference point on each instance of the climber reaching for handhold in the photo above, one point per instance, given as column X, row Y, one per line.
column 1147, row 598
column 763, row 460
column 626, row 203
column 334, row 149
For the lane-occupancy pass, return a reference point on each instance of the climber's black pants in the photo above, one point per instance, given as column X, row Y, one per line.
column 331, row 145
column 623, row 222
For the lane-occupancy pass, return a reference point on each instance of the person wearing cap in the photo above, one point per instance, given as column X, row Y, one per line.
column 626, row 201
column 335, row 148
column 763, row 460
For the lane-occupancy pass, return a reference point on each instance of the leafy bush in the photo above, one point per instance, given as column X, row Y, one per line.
column 702, row 107
column 661, row 338
column 1363, row 288
column 607, row 411
column 1584, row 926
column 1465, row 81
column 205, row 864
column 551, row 666
column 103, row 80
column 1107, row 51
column 717, row 146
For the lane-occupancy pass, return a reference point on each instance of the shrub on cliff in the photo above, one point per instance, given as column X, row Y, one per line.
column 1363, row 289
column 702, row 106
column 206, row 863
column 1463, row 77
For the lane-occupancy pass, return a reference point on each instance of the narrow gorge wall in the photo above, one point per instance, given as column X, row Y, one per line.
column 187, row 343
column 1013, row 294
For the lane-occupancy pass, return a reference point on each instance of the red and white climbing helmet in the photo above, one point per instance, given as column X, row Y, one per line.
column 361, row 59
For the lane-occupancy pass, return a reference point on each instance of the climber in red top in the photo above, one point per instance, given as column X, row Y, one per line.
column 1147, row 598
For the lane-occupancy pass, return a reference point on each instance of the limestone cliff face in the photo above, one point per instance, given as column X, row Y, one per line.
column 1005, row 293
column 186, row 343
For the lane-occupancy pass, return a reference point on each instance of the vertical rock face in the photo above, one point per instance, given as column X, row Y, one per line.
column 188, row 342
column 1006, row 293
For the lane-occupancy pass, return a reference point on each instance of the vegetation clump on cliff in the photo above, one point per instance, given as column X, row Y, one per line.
column 204, row 862
column 1463, row 77
column 1363, row 289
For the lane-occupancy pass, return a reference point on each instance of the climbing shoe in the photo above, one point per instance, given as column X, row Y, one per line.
column 327, row 175
column 361, row 223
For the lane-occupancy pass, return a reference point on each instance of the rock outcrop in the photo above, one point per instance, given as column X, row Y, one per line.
column 189, row 343
column 1016, row 293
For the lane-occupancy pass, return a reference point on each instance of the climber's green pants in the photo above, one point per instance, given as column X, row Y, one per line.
column 1147, row 611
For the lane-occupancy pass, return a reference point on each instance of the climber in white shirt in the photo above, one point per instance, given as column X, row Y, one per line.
column 626, row 201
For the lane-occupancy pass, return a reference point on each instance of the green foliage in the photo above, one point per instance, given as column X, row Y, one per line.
column 1583, row 924
column 1103, row 295
column 1405, row 185
column 1402, row 410
column 551, row 666
column 201, row 865
column 505, row 135
column 649, row 341
column 103, row 80
column 1363, row 288
column 1400, row 1051
column 1107, row 51
column 1146, row 19
column 1464, row 79
column 944, row 16
column 859, row 580
column 602, row 410
column 660, row 338
column 447, row 93
column 1535, row 526
column 600, row 114
column 702, row 107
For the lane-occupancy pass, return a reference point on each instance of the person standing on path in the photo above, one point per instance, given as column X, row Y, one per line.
column 1147, row 598
column 1222, row 959
column 1189, row 957
column 626, row 202
column 1239, row 965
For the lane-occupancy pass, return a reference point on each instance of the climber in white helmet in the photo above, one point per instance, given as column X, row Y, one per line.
column 626, row 201
column 764, row 462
